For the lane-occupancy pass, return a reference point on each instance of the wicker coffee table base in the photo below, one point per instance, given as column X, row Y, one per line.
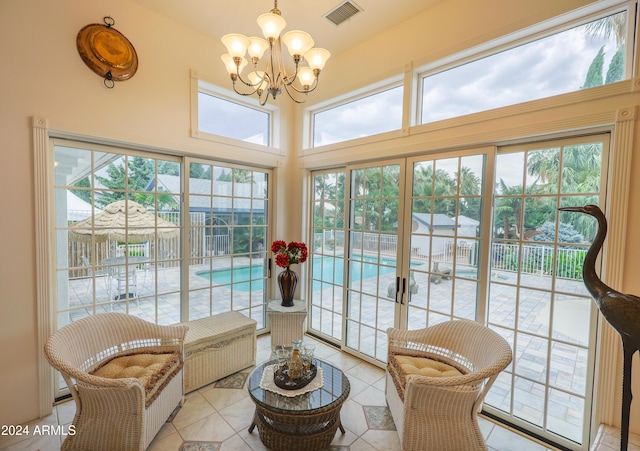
column 310, row 431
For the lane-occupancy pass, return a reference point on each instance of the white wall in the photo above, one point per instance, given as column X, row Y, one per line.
column 42, row 75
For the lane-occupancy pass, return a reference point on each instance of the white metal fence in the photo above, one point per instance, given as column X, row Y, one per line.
column 216, row 245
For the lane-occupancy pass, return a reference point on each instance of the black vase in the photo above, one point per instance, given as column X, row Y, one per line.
column 287, row 281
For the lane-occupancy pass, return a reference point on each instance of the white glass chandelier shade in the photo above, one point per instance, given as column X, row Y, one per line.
column 271, row 25
column 317, row 58
column 231, row 66
column 272, row 78
column 257, row 47
column 297, row 42
column 306, row 77
column 236, row 44
column 258, row 79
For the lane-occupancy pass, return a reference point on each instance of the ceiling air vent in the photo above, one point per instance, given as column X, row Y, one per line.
column 344, row 11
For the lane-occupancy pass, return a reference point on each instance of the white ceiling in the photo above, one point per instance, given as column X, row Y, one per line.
column 217, row 18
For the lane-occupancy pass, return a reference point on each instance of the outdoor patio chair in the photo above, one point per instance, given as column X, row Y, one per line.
column 125, row 376
column 437, row 379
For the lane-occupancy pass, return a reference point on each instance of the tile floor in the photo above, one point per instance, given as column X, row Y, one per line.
column 608, row 439
column 222, row 412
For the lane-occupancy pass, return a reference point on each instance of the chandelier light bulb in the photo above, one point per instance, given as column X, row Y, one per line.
column 257, row 47
column 306, row 77
column 258, row 77
column 230, row 64
column 271, row 25
column 317, row 58
column 297, row 42
column 236, row 44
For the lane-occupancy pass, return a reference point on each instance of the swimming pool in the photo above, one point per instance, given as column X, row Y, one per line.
column 325, row 269
column 331, row 269
column 244, row 278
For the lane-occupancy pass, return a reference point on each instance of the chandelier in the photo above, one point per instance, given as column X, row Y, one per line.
column 274, row 77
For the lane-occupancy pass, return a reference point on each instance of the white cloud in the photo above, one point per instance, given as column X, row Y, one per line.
column 550, row 66
column 370, row 115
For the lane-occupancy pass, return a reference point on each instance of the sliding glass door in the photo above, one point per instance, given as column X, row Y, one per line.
column 411, row 255
column 164, row 238
column 229, row 215
column 118, row 237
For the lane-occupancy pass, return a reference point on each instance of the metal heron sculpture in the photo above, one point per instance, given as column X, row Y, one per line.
column 622, row 312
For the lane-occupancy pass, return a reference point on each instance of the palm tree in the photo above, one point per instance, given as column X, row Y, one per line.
column 329, row 203
column 469, row 182
column 508, row 209
column 615, row 25
column 580, row 173
column 545, row 164
column 469, row 186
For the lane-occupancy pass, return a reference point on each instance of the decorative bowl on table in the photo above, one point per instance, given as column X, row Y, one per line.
column 281, row 377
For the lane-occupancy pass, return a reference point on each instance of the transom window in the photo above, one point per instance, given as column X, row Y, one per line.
column 582, row 49
column 376, row 113
column 585, row 56
column 232, row 120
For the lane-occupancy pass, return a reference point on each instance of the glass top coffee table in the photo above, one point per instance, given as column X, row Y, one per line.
column 308, row 421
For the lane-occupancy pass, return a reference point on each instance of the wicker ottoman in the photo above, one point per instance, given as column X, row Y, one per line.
column 216, row 347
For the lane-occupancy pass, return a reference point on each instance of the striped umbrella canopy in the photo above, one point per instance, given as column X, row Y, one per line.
column 123, row 220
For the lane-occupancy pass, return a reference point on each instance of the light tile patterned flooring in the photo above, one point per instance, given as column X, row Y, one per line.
column 222, row 412
column 608, row 439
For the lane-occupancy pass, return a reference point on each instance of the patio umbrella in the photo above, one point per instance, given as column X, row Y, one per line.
column 123, row 221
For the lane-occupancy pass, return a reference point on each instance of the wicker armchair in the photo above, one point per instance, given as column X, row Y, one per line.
column 125, row 375
column 437, row 411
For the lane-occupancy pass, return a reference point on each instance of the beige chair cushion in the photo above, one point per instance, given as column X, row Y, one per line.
column 153, row 371
column 425, row 367
column 400, row 367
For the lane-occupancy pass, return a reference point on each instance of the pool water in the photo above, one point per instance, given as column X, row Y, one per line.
column 325, row 269
column 244, row 278
column 331, row 269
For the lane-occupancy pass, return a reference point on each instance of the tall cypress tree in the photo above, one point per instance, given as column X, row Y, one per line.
column 594, row 74
column 616, row 67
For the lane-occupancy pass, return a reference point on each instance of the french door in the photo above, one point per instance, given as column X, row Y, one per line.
column 445, row 224
column 372, row 267
column 412, row 224
column 471, row 235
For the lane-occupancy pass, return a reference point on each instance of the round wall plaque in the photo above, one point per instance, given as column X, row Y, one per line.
column 107, row 52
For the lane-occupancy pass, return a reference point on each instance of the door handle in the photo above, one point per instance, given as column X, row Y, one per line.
column 397, row 288
column 404, row 290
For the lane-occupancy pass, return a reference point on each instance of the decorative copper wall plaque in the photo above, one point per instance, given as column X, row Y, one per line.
column 107, row 52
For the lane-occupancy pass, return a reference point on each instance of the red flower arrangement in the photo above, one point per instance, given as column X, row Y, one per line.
column 289, row 254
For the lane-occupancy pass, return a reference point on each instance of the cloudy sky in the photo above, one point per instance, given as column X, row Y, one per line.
column 230, row 119
column 542, row 68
